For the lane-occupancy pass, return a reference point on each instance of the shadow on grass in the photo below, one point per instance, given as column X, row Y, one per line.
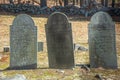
column 10, row 69
column 31, row 68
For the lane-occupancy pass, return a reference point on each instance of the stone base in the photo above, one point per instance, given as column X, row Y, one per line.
column 62, row 67
column 33, row 66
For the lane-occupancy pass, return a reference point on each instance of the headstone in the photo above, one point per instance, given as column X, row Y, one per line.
column 40, row 46
column 23, row 43
column 59, row 41
column 102, row 43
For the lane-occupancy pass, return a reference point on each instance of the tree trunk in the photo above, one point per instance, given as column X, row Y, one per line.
column 19, row 1
column 81, row 2
column 43, row 3
column 77, row 2
column 102, row 2
column 106, row 3
column 11, row 1
column 113, row 3
column 73, row 2
column 65, row 2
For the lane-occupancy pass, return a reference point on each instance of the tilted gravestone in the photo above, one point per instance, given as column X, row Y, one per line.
column 59, row 41
column 23, row 43
column 102, row 43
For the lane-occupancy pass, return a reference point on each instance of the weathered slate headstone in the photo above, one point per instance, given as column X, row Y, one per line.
column 59, row 41
column 40, row 46
column 23, row 43
column 102, row 43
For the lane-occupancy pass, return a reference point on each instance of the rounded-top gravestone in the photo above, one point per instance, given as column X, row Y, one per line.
column 23, row 19
column 102, row 43
column 23, row 43
column 59, row 41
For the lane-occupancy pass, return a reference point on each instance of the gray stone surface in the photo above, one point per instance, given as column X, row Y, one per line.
column 102, row 43
column 40, row 46
column 59, row 41
column 23, row 43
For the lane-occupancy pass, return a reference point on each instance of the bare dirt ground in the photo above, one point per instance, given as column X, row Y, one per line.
column 80, row 36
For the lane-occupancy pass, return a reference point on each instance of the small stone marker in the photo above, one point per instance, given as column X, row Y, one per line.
column 78, row 47
column 59, row 41
column 23, row 43
column 6, row 48
column 102, row 43
column 40, row 46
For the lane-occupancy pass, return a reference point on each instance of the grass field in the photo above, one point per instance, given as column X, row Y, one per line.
column 80, row 36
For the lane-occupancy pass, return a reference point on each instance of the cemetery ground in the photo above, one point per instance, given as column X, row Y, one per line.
column 80, row 36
